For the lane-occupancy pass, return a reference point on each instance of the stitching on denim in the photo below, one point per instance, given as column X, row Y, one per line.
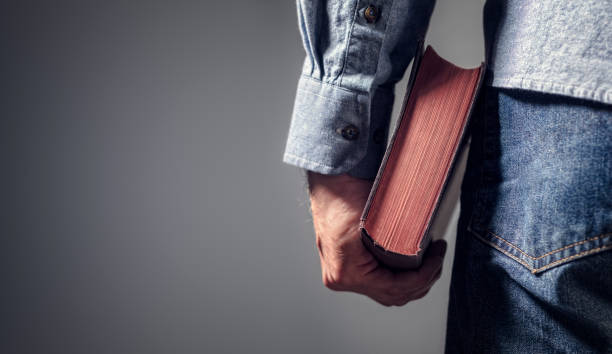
column 583, row 253
column 503, row 251
column 553, row 251
column 574, row 244
column 509, row 244
column 479, row 206
column 547, row 266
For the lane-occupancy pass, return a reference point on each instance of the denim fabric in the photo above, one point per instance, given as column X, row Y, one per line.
column 352, row 65
column 532, row 263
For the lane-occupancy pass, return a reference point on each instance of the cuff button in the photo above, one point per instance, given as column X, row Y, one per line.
column 371, row 13
column 350, row 132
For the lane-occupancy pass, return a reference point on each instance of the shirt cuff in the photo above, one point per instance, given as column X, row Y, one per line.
column 335, row 130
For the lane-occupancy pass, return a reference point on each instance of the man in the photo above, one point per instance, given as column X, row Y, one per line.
column 532, row 262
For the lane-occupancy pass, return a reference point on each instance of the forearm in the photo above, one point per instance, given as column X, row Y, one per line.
column 340, row 117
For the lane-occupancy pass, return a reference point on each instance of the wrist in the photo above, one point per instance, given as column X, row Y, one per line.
column 329, row 190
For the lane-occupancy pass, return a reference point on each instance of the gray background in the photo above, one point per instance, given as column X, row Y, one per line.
column 145, row 208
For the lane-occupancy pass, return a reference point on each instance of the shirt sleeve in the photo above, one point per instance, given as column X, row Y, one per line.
column 356, row 51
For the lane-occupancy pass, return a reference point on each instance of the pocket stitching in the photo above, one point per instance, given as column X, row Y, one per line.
column 534, row 270
column 553, row 251
column 583, row 253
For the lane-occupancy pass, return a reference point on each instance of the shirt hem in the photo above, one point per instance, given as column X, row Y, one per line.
column 600, row 95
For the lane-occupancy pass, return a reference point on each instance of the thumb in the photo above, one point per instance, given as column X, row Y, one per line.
column 432, row 263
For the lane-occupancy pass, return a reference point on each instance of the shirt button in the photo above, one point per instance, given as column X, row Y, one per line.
column 350, row 132
column 370, row 14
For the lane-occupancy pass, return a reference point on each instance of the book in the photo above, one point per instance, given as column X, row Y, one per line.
column 404, row 203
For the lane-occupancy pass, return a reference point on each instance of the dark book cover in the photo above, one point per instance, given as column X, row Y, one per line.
column 419, row 161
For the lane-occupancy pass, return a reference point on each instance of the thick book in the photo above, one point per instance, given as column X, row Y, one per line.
column 419, row 161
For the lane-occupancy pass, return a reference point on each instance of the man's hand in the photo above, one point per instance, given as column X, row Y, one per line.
column 346, row 265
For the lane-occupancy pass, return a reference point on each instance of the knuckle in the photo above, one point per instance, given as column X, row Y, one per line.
column 330, row 282
column 342, row 275
column 389, row 301
column 421, row 295
column 337, row 280
column 386, row 303
column 401, row 302
column 396, row 292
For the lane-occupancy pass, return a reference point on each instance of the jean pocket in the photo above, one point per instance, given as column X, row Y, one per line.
column 545, row 192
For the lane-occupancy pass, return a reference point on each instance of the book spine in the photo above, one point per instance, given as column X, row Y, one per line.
column 388, row 258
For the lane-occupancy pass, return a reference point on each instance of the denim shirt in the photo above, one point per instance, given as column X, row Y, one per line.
column 357, row 50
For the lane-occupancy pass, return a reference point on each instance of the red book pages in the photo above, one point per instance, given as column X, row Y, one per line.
column 419, row 160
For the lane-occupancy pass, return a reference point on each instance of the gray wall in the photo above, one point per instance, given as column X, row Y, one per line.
column 145, row 208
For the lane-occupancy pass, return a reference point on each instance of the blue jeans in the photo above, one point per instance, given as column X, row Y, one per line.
column 532, row 269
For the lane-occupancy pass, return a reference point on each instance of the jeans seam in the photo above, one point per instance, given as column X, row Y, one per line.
column 553, row 251
column 583, row 253
column 531, row 268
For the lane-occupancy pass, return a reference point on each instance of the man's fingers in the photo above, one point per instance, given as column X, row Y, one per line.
column 385, row 286
column 399, row 299
column 421, row 294
column 397, row 289
column 422, row 277
column 436, row 249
